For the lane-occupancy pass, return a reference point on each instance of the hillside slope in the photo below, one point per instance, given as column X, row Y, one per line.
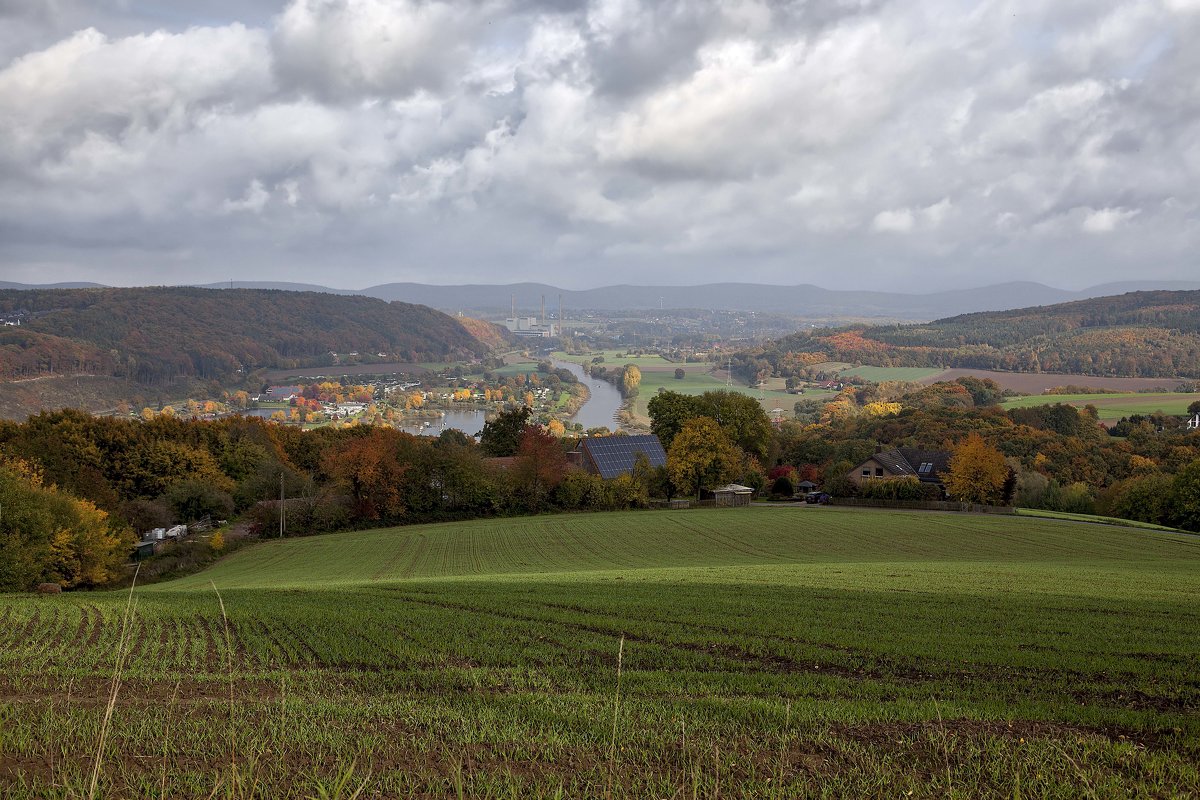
column 1139, row 334
column 690, row 540
column 153, row 336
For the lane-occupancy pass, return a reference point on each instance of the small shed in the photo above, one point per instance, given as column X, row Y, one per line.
column 143, row 550
column 733, row 494
column 805, row 487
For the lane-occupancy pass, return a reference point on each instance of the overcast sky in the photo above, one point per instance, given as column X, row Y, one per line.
column 849, row 143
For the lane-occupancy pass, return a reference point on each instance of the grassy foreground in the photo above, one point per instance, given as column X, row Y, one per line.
column 773, row 652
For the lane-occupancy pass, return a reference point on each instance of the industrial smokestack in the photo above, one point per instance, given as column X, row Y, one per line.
column 513, row 314
column 543, row 309
column 560, row 316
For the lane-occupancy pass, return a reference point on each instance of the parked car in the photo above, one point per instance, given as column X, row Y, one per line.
column 816, row 497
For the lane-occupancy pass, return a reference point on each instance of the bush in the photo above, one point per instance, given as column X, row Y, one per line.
column 1146, row 499
column 782, row 487
column 907, row 487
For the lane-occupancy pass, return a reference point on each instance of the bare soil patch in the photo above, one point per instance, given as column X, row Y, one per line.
column 1036, row 383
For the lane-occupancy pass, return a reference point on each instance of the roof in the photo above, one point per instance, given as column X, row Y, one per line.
column 736, row 488
column 615, row 455
column 925, row 465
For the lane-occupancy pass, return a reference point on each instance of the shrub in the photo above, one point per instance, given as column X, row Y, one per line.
column 782, row 487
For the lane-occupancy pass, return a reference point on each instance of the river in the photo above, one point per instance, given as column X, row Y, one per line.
column 600, row 410
column 601, row 407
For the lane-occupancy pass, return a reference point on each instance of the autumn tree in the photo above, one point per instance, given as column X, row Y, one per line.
column 501, row 436
column 701, row 455
column 539, row 466
column 47, row 535
column 371, row 469
column 631, row 379
column 668, row 413
column 741, row 418
column 977, row 472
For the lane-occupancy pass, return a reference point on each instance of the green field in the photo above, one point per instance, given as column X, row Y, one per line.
column 619, row 358
column 762, row 652
column 880, row 374
column 698, row 380
column 658, row 373
column 1113, row 406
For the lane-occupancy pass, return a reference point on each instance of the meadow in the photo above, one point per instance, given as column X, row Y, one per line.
column 762, row 652
column 1112, row 407
column 658, row 373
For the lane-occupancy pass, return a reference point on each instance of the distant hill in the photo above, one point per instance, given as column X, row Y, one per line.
column 1138, row 334
column 154, row 336
column 69, row 285
column 799, row 300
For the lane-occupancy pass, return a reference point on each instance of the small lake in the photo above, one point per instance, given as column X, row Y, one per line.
column 469, row 422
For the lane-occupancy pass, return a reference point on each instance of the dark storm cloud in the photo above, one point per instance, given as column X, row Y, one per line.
column 353, row 142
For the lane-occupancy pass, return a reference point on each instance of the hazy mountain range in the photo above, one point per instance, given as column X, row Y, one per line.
column 801, row 300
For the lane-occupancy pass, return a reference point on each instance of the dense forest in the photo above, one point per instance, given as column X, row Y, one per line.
column 154, row 336
column 1140, row 334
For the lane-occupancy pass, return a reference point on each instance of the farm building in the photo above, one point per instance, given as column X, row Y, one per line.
column 610, row 456
column 926, row 466
column 733, row 494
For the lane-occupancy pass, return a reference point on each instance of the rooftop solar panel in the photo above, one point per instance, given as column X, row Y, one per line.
column 616, row 455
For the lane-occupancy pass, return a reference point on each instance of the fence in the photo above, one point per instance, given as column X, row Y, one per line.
column 922, row 505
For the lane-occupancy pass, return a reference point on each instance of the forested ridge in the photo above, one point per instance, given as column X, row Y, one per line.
column 157, row 335
column 1140, row 334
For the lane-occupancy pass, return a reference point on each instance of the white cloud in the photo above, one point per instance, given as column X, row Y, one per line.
column 254, row 200
column 343, row 49
column 898, row 220
column 605, row 141
column 1106, row 220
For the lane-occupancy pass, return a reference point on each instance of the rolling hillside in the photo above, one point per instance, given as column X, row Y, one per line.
column 1139, row 334
column 754, row 653
column 154, row 336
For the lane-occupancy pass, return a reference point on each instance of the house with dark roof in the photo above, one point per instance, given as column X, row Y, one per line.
column 610, row 456
column 927, row 466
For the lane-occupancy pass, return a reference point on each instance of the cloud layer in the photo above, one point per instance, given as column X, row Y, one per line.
column 852, row 143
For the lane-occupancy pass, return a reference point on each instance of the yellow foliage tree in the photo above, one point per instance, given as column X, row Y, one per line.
column 217, row 542
column 701, row 455
column 977, row 472
column 556, row 428
column 631, row 379
column 881, row 409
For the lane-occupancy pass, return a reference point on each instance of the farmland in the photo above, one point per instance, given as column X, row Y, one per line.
column 784, row 652
column 880, row 374
column 1036, row 382
column 1112, row 407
